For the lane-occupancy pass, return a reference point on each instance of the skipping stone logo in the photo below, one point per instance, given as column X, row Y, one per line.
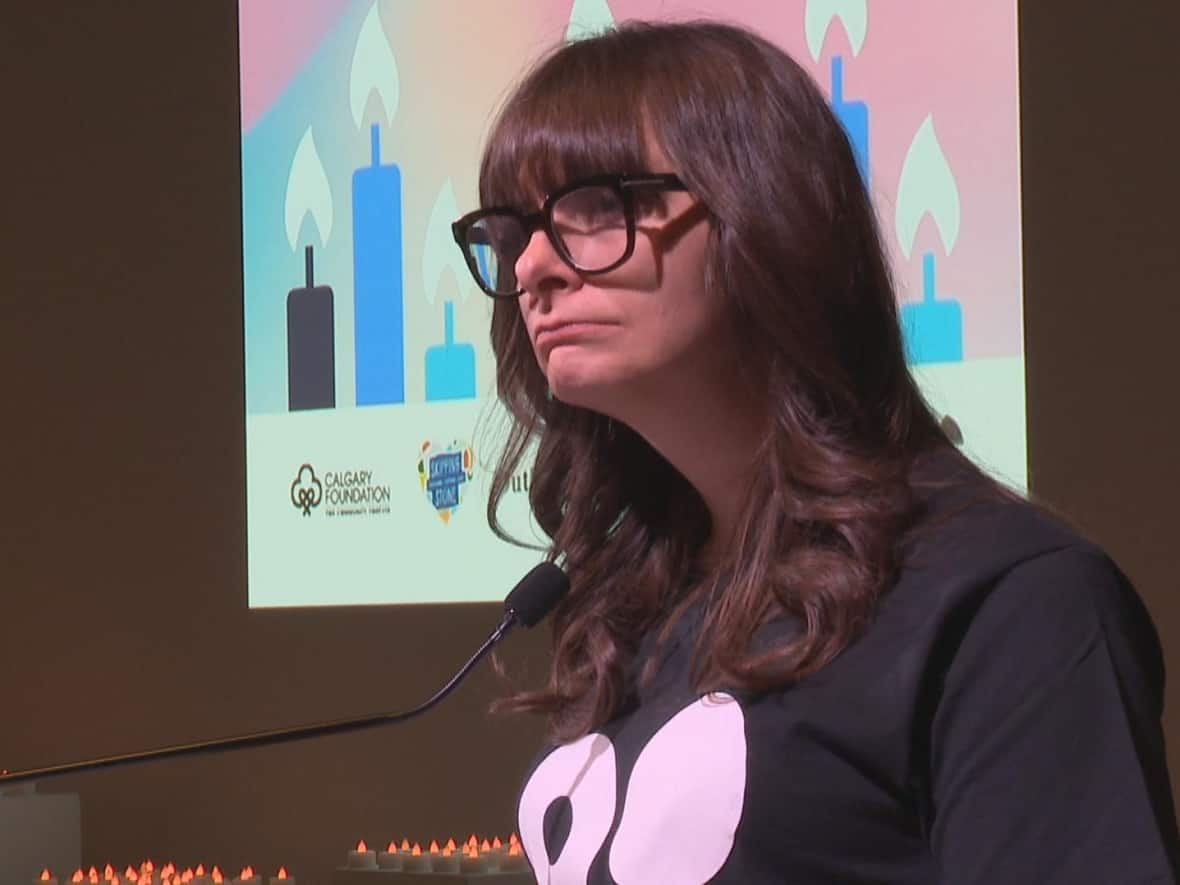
column 306, row 490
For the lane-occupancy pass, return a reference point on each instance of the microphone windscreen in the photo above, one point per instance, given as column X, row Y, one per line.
column 536, row 593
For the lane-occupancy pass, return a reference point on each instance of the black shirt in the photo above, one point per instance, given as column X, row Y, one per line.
column 998, row 722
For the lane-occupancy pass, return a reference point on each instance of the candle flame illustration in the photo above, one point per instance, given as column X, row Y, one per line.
column 374, row 69
column 439, row 253
column 588, row 18
column 308, row 192
column 927, row 186
column 361, row 846
column 45, row 877
column 818, row 16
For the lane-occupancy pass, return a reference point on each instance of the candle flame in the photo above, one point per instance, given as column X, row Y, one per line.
column 373, row 69
column 78, row 876
column 405, row 845
column 361, row 846
column 417, row 850
column 282, row 873
column 450, row 844
column 513, row 840
column 818, row 17
column 514, row 849
column 45, row 877
column 496, row 843
column 217, row 877
column 448, row 851
column 472, row 840
column 485, row 846
column 108, row 871
column 200, row 869
column 433, row 847
column 186, row 876
column 169, row 869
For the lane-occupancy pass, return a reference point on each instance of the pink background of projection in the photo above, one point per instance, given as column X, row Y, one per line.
column 959, row 65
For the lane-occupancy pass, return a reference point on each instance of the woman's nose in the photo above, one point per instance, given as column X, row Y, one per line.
column 540, row 271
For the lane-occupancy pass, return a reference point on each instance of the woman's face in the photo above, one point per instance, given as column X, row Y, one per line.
column 623, row 341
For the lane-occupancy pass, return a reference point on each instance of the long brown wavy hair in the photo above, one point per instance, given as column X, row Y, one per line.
column 796, row 254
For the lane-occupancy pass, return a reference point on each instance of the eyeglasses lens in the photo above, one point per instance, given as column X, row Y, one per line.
column 590, row 222
column 592, row 225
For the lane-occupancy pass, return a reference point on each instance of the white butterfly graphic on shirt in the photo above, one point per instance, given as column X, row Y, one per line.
column 681, row 805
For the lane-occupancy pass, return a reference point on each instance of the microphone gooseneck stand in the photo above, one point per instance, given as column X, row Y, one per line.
column 527, row 604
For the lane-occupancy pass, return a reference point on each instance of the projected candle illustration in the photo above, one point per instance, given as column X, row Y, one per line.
column 378, row 299
column 933, row 327
column 377, row 280
column 311, row 347
column 854, row 115
column 311, row 336
column 588, row 18
column 450, row 366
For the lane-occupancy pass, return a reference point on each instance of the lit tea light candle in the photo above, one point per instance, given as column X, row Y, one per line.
column 200, row 877
column 514, row 860
column 416, row 861
column 389, row 859
column 281, row 878
column 47, row 877
column 471, row 863
column 92, row 876
column 248, row 877
column 216, row 876
column 362, row 858
column 446, row 861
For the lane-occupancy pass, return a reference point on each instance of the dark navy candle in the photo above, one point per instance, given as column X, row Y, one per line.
column 311, row 347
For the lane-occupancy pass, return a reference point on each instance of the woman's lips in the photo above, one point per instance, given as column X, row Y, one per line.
column 551, row 335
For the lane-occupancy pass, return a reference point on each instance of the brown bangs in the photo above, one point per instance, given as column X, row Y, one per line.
column 568, row 119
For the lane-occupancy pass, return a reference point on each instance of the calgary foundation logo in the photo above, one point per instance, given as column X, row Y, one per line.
column 306, row 490
column 445, row 472
column 345, row 492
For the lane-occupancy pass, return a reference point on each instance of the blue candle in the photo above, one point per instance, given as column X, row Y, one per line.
column 377, row 280
column 933, row 328
column 854, row 115
column 450, row 367
column 311, row 347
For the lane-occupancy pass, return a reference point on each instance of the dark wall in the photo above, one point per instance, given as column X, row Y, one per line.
column 123, row 607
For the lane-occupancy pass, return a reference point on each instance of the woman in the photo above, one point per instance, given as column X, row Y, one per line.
column 807, row 640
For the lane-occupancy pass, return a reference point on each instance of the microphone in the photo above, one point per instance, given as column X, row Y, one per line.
column 527, row 604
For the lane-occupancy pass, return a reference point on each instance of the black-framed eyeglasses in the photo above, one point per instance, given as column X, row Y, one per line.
column 590, row 222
